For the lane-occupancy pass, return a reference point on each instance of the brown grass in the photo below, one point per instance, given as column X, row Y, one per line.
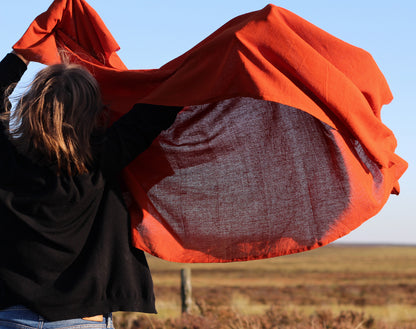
column 338, row 286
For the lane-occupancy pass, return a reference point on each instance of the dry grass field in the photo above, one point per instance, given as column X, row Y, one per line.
column 334, row 287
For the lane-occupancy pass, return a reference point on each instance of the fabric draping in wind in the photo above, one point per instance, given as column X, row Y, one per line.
column 280, row 147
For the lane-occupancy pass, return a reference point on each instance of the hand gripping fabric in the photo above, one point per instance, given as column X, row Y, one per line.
column 280, row 147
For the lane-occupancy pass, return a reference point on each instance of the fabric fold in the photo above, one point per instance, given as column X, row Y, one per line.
column 229, row 181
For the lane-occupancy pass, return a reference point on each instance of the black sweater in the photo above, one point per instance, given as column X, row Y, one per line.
column 65, row 248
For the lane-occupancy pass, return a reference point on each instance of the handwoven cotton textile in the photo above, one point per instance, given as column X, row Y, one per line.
column 280, row 147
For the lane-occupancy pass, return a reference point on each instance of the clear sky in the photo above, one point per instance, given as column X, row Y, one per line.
column 152, row 32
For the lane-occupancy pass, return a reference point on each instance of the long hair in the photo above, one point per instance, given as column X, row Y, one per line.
column 54, row 120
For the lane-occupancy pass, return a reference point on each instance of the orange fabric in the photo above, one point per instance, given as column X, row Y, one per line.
column 269, row 55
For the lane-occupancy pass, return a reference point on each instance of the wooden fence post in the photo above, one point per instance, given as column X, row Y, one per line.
column 186, row 290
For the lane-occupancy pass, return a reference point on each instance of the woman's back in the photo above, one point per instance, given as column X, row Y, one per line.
column 64, row 237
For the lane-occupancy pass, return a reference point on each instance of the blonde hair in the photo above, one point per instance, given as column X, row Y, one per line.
column 54, row 120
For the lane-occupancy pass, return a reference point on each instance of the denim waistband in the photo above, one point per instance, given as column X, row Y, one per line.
column 20, row 317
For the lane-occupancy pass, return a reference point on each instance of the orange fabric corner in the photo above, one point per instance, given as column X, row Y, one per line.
column 51, row 32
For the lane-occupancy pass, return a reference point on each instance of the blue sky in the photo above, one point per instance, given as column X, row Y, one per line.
column 152, row 33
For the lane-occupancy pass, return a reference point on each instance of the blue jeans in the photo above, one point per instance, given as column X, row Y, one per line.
column 20, row 317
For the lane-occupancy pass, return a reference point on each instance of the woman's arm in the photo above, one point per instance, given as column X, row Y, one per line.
column 12, row 68
column 133, row 133
column 24, row 60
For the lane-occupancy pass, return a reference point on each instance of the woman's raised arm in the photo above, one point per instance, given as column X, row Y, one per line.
column 12, row 68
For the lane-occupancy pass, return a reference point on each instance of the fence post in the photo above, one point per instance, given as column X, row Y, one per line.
column 186, row 290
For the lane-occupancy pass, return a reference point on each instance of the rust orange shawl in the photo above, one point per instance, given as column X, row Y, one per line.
column 280, row 147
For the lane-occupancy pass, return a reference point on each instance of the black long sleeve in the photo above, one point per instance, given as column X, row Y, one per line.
column 133, row 133
column 11, row 70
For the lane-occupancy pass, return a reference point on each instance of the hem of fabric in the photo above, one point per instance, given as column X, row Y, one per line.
column 80, row 310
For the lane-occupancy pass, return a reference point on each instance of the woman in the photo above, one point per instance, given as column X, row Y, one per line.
column 65, row 250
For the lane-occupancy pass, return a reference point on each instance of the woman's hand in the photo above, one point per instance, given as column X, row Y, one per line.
column 21, row 57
